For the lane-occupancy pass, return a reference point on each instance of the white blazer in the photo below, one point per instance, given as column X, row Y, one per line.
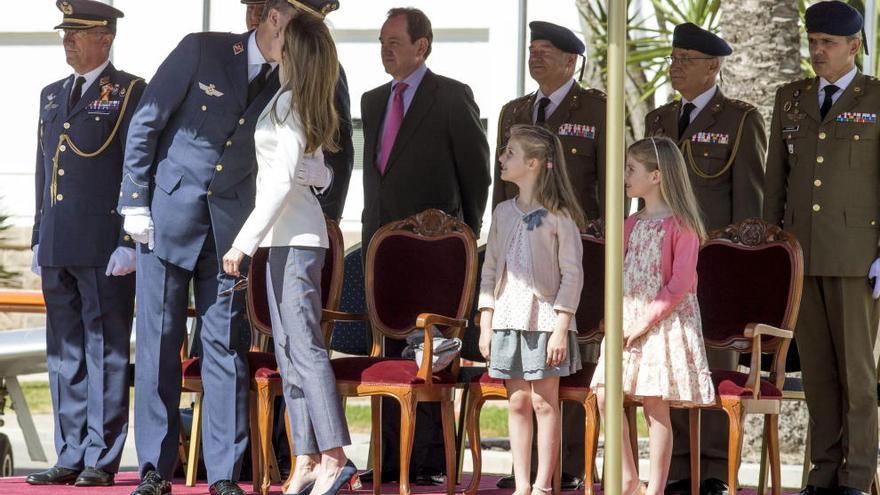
column 285, row 213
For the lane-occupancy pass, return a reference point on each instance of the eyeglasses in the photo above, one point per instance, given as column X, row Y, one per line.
column 684, row 60
column 80, row 33
column 240, row 284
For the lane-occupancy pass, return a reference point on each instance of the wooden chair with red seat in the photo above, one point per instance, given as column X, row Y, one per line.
column 750, row 277
column 265, row 384
column 573, row 388
column 420, row 274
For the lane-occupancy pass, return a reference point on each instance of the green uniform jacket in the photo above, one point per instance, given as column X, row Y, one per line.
column 724, row 148
column 579, row 121
column 823, row 175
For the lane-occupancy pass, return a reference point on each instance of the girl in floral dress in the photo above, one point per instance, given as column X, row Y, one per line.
column 664, row 359
column 529, row 291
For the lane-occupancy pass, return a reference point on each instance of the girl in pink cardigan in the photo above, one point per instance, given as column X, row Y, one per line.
column 529, row 291
column 664, row 359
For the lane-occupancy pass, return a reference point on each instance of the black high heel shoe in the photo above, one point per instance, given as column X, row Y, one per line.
column 347, row 477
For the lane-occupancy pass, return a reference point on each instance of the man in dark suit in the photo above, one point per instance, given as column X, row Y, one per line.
column 424, row 148
column 724, row 145
column 80, row 251
column 190, row 171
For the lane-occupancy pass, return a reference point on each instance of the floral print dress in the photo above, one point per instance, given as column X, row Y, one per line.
column 669, row 361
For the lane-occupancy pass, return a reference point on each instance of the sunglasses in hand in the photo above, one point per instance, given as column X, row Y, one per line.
column 240, row 284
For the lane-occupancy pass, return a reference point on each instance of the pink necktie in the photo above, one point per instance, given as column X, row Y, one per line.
column 392, row 125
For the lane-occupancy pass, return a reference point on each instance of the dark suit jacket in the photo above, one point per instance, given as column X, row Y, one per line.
column 76, row 223
column 440, row 158
column 341, row 162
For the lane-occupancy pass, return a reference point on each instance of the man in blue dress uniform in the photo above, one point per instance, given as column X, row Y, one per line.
column 188, row 186
column 80, row 251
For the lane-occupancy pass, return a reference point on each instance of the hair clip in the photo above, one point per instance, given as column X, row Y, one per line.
column 549, row 164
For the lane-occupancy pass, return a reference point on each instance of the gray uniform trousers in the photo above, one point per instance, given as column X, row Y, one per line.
column 293, row 279
column 162, row 295
column 88, row 326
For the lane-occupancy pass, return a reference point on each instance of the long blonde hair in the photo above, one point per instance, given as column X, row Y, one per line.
column 660, row 153
column 312, row 68
column 553, row 189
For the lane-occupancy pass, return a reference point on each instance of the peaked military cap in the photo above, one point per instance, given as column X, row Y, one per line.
column 253, row 2
column 318, row 8
column 560, row 37
column 834, row 18
column 689, row 36
column 86, row 14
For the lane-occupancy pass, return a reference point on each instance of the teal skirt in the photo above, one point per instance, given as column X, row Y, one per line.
column 515, row 354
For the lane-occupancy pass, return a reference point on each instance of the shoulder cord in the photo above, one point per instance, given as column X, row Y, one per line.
column 688, row 152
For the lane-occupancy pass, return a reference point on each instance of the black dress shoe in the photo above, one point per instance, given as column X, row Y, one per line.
column 845, row 490
column 429, row 479
column 92, row 476
column 226, row 487
column 569, row 482
column 713, row 486
column 678, row 487
column 506, row 482
column 152, row 484
column 55, row 475
column 817, row 490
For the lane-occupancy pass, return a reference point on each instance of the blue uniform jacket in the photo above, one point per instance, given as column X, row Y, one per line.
column 79, row 167
column 190, row 153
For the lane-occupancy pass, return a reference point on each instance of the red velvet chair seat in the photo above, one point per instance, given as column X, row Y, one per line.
column 384, row 371
column 258, row 362
column 732, row 384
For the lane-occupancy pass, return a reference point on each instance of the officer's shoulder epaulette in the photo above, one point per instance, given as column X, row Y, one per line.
column 662, row 108
column 517, row 103
column 798, row 85
column 740, row 105
column 595, row 93
column 872, row 80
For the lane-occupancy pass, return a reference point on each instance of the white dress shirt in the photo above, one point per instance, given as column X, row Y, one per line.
column 285, row 213
column 556, row 98
column 841, row 83
column 91, row 76
column 699, row 102
column 256, row 58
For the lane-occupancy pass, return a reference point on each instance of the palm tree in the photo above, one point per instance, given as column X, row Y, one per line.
column 765, row 36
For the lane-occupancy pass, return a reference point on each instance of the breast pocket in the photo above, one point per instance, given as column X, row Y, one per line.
column 211, row 122
column 47, row 121
column 708, row 163
column 861, row 142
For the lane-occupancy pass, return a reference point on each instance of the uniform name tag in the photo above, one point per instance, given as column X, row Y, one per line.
column 579, row 130
column 710, row 138
column 857, row 118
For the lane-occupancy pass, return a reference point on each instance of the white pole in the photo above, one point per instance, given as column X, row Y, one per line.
column 521, row 48
column 870, row 37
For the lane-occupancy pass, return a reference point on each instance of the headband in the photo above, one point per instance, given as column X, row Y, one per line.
column 656, row 153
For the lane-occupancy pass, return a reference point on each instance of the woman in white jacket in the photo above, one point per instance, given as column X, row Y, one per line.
column 293, row 129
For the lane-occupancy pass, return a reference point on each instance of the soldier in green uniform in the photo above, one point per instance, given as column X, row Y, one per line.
column 577, row 116
column 823, row 171
column 724, row 145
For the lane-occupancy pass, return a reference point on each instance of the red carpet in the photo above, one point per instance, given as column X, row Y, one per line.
column 125, row 483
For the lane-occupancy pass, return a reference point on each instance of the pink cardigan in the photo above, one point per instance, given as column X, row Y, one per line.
column 678, row 265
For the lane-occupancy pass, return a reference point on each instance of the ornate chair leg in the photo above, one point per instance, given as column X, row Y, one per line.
column 460, row 433
column 733, row 409
column 473, row 432
column 376, row 442
column 694, row 433
column 265, row 415
column 408, row 404
column 448, row 420
column 591, row 441
column 195, row 442
column 771, row 427
column 256, row 466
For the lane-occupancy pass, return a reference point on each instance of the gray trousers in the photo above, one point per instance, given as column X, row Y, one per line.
column 293, row 279
column 163, row 295
column 88, row 325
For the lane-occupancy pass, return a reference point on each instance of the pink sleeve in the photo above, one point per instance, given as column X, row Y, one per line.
column 685, row 247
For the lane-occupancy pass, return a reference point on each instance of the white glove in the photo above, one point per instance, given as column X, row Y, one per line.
column 139, row 225
column 312, row 171
column 35, row 264
column 874, row 273
column 122, row 262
